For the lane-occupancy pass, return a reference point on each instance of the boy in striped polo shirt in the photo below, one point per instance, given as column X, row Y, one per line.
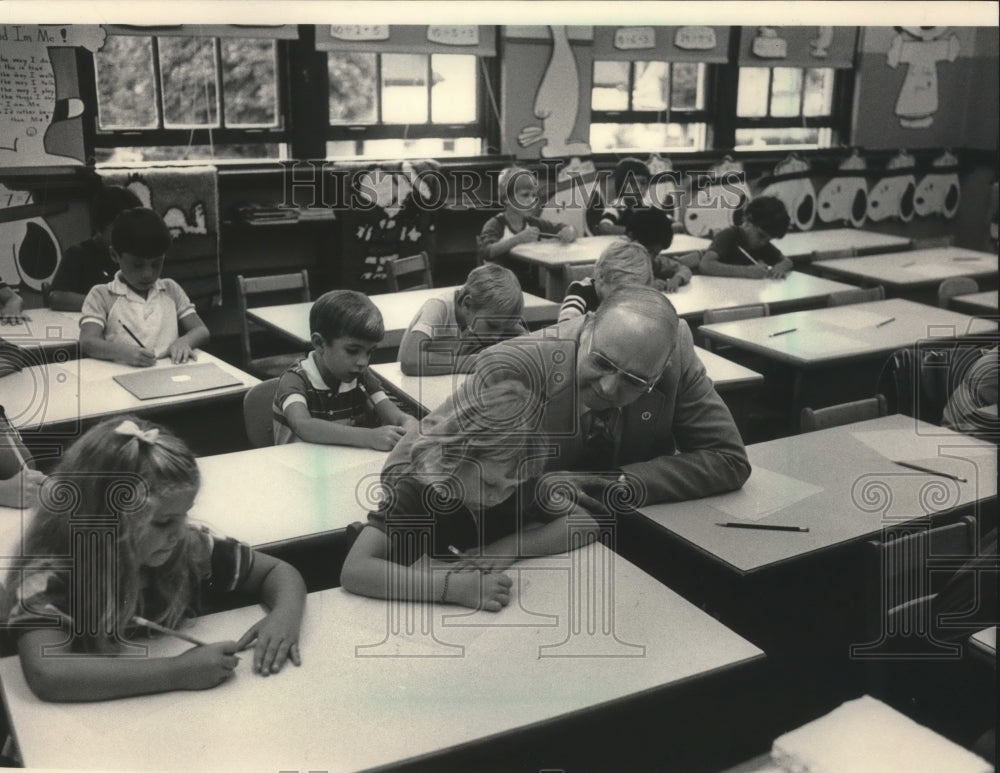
column 331, row 396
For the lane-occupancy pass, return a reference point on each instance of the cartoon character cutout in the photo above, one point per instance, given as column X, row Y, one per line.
column 176, row 219
column 819, row 46
column 663, row 190
column 844, row 198
column 892, row 196
column 29, row 251
column 921, row 48
column 798, row 195
column 576, row 185
column 939, row 192
column 557, row 103
column 713, row 206
column 27, row 66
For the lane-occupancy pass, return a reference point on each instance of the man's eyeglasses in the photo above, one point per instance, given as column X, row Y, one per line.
column 602, row 363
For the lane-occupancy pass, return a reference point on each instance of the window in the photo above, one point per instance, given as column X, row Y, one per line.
column 648, row 106
column 785, row 107
column 165, row 98
column 404, row 105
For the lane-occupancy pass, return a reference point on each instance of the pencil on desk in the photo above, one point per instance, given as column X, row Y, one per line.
column 132, row 335
column 167, row 631
column 763, row 526
column 907, row 265
column 966, row 258
column 885, row 322
column 929, row 471
column 782, row 332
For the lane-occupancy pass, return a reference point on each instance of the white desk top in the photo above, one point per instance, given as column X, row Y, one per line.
column 44, row 329
column 724, row 292
column 985, row 640
column 840, row 483
column 80, row 390
column 552, row 253
column 398, row 310
column 913, row 267
column 802, row 244
column 432, row 391
column 976, row 303
column 841, row 332
column 346, row 710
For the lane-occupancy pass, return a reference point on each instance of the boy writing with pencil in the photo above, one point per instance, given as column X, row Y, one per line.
column 746, row 250
column 137, row 317
column 326, row 398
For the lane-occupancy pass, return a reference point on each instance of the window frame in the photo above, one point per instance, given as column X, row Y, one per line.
column 194, row 135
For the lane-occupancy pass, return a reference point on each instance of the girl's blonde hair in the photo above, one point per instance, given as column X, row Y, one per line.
column 498, row 424
column 624, row 262
column 119, row 468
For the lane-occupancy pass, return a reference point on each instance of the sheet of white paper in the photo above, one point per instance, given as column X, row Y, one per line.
column 906, row 445
column 765, row 492
column 856, row 320
column 818, row 341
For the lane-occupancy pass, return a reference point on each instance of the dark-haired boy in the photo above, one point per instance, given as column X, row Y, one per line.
column 137, row 317
column 745, row 250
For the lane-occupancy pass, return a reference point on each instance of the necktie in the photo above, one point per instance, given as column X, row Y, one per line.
column 598, row 450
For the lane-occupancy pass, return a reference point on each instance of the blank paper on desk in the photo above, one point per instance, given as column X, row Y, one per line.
column 865, row 734
column 765, row 492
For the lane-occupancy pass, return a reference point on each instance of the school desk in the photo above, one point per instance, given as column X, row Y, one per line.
column 46, row 330
column 976, row 303
column 428, row 392
column 291, row 320
column 835, row 354
column 985, row 642
column 382, row 683
column 552, row 256
column 915, row 273
column 800, row 245
column 84, row 390
column 795, row 291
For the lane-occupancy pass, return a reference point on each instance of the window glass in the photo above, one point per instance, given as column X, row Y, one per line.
column 647, row 136
column 652, row 86
column 786, row 91
column 187, row 77
column 610, row 90
column 687, row 86
column 404, row 88
column 453, row 88
column 126, row 97
column 751, row 97
column 352, row 79
column 818, row 96
column 250, row 82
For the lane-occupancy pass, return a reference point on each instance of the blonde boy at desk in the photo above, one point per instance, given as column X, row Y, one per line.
column 745, row 250
column 138, row 317
column 326, row 397
column 622, row 263
column 486, row 309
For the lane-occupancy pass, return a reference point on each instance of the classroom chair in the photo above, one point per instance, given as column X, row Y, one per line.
column 932, row 242
column 812, row 419
column 733, row 314
column 956, row 285
column 46, row 294
column 258, row 413
column 859, row 295
column 284, row 285
column 844, row 252
column 415, row 270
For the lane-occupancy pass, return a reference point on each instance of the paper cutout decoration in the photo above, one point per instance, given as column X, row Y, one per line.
column 557, row 103
column 892, row 196
column 918, row 96
column 576, row 185
column 29, row 251
column 635, row 38
column 939, row 192
column 819, row 46
column 453, row 35
column 844, row 198
column 713, row 206
column 389, row 189
column 28, row 89
column 767, row 44
column 359, row 32
column 798, row 195
column 664, row 192
column 695, row 38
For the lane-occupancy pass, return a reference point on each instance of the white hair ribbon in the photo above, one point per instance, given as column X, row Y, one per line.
column 131, row 428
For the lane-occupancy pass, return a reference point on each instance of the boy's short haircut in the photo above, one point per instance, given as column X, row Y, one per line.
column 650, row 226
column 628, row 168
column 508, row 179
column 140, row 232
column 494, row 289
column 341, row 313
column 623, row 263
column 768, row 213
column 111, row 201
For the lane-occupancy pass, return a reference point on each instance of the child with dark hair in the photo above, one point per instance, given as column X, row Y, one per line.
column 630, row 180
column 653, row 229
column 90, row 262
column 137, row 317
column 745, row 250
column 327, row 397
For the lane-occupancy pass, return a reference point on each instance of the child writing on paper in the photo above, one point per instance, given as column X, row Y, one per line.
column 653, row 229
column 91, row 263
column 487, row 308
column 622, row 263
column 463, row 468
column 167, row 571
column 745, row 250
column 137, row 317
column 330, row 395
column 18, row 482
column 10, row 304
column 518, row 223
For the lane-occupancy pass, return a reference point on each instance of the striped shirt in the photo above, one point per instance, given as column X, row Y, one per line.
column 581, row 297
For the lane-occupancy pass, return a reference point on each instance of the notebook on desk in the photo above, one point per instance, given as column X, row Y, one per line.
column 179, row 380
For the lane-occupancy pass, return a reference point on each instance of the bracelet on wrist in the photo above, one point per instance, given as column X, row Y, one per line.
column 444, row 588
